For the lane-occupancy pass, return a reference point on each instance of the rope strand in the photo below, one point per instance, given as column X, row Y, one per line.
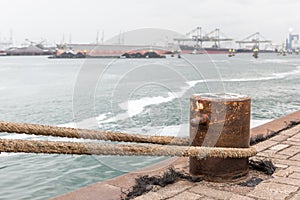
column 45, row 130
column 29, row 146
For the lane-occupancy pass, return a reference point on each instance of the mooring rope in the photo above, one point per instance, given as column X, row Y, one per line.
column 49, row 147
column 46, row 130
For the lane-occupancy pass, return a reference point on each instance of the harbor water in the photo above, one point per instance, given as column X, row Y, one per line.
column 146, row 96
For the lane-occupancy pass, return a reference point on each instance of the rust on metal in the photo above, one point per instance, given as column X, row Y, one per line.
column 220, row 120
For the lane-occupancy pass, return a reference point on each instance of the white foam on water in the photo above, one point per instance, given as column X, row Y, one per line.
column 135, row 107
column 274, row 61
column 175, row 130
column 280, row 75
column 220, row 61
column 258, row 122
column 102, row 116
column 288, row 73
column 172, row 130
column 18, row 136
column 68, row 125
column 193, row 83
column 5, row 154
column 89, row 123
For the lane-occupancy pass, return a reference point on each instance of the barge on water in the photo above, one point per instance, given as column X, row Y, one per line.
column 110, row 51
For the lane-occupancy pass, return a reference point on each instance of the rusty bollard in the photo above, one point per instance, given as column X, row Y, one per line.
column 219, row 120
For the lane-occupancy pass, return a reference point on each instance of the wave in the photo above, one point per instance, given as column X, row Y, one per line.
column 273, row 76
column 289, row 73
column 289, row 61
column 135, row 107
column 220, row 61
column 132, row 108
column 274, row 61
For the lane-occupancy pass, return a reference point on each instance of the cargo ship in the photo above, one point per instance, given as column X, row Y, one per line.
column 31, row 50
column 3, row 46
column 3, row 53
column 188, row 49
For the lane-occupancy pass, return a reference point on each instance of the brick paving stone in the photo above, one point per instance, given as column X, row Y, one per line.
column 279, row 138
column 278, row 156
column 283, row 173
column 286, row 162
column 290, row 151
column 295, row 175
column 272, row 191
column 207, row 198
column 240, row 197
column 210, row 192
column 291, row 132
column 286, row 171
column 168, row 191
column 265, row 145
column 148, row 196
column 297, row 130
column 279, row 166
column 292, row 143
column 187, row 195
column 297, row 136
column 294, row 139
column 272, row 154
column 285, row 180
column 296, row 157
column 279, row 147
column 295, row 169
column 295, row 196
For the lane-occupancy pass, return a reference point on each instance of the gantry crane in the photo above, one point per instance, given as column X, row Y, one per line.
column 255, row 38
column 199, row 38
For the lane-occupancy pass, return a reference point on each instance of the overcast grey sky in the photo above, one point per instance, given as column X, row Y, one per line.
column 51, row 19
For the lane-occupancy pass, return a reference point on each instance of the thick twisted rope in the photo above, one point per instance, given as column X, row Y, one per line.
column 45, row 130
column 29, row 146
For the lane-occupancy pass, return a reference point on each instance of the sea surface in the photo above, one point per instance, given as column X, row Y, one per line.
column 147, row 96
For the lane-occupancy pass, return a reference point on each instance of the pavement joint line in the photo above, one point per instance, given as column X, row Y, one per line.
column 179, row 192
column 293, row 194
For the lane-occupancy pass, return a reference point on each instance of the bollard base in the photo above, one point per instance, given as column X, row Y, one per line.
column 220, row 120
column 220, row 170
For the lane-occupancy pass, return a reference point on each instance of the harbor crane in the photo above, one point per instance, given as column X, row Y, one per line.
column 255, row 38
column 199, row 38
column 40, row 44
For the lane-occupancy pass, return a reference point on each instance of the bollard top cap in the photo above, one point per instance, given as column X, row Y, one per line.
column 220, row 96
